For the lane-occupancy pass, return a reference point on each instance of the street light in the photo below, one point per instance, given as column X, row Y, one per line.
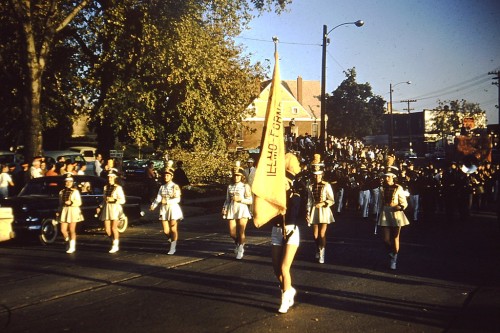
column 391, row 136
column 326, row 32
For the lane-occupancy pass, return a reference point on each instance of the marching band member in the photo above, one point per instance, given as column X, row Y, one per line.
column 111, row 209
column 69, row 213
column 392, row 217
column 169, row 195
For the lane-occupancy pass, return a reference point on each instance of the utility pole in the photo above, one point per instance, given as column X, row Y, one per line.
column 409, row 119
column 497, row 73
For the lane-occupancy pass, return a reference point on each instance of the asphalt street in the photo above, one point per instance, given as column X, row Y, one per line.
column 448, row 280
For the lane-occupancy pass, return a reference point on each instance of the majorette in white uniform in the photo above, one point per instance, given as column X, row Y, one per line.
column 69, row 205
column 238, row 210
column 112, row 202
column 169, row 195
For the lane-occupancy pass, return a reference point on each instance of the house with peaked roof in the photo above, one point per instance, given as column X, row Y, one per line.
column 301, row 106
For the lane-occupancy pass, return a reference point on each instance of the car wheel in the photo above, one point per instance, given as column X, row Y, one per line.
column 123, row 224
column 49, row 231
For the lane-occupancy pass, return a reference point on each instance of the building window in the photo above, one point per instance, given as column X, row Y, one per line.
column 295, row 110
column 314, row 130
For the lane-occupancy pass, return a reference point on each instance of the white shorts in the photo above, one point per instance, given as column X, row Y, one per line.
column 292, row 232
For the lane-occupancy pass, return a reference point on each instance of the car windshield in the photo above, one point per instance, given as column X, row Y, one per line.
column 136, row 164
column 51, row 186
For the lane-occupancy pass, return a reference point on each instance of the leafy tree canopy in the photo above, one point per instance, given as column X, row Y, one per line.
column 353, row 110
column 449, row 115
column 166, row 72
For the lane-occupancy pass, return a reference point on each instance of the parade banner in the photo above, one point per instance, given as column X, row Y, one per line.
column 270, row 179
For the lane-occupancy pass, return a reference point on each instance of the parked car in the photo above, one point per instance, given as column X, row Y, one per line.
column 87, row 152
column 8, row 157
column 35, row 206
column 136, row 169
column 51, row 156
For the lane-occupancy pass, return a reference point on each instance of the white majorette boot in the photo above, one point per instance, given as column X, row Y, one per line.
column 236, row 247
column 115, row 248
column 287, row 300
column 241, row 250
column 394, row 259
column 172, row 247
column 72, row 246
column 321, row 256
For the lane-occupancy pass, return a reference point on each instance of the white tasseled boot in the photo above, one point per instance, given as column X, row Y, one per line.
column 115, row 248
column 172, row 247
column 287, row 300
column 72, row 246
column 322, row 256
column 241, row 250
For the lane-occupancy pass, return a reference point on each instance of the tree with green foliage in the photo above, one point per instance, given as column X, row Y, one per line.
column 40, row 22
column 449, row 115
column 353, row 110
column 161, row 71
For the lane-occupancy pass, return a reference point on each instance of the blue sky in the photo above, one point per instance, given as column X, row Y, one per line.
column 445, row 48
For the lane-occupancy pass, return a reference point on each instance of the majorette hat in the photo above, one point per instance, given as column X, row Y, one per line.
column 317, row 165
column 391, row 171
column 169, row 168
column 113, row 172
column 68, row 177
column 317, row 161
column 237, row 169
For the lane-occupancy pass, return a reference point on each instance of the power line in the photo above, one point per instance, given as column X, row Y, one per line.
column 451, row 89
column 281, row 42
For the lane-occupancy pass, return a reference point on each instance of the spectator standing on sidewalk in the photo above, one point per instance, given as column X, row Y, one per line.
column 110, row 211
column 319, row 214
column 151, row 183
column 5, row 181
column 180, row 177
column 236, row 209
column 69, row 213
column 98, row 165
column 392, row 217
column 169, row 195
column 250, row 171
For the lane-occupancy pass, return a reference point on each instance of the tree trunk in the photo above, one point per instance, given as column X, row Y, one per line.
column 33, row 142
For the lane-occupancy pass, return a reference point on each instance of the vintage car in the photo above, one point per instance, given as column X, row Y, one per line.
column 35, row 206
column 136, row 169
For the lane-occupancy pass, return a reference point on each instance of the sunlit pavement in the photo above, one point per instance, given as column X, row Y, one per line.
column 447, row 280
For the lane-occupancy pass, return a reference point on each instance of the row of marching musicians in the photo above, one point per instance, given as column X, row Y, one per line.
column 454, row 189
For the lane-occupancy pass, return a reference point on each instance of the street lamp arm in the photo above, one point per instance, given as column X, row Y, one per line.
column 393, row 85
column 358, row 23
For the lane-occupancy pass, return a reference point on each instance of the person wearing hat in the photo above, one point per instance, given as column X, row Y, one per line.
column 69, row 212
column 110, row 210
column 319, row 215
column 392, row 217
column 250, row 171
column 169, row 195
column 236, row 209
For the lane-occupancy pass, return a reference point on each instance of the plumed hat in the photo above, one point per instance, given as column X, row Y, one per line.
column 169, row 168
column 317, row 160
column 237, row 169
